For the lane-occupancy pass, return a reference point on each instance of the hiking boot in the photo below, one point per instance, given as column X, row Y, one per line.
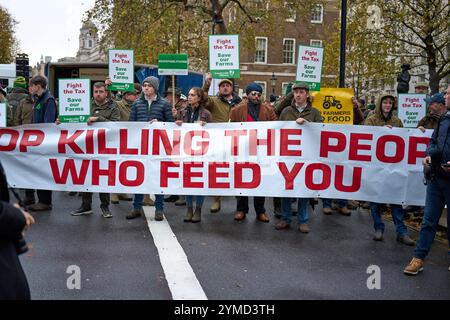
column 405, row 239
column 105, row 212
column 171, row 199
column 304, row 228
column 181, row 201
column 159, row 215
column 114, row 198
column 345, row 211
column 148, row 201
column 263, row 217
column 378, row 235
column 40, row 207
column 353, row 204
column 82, row 211
column 29, row 201
column 366, row 205
column 189, row 214
column 197, row 215
column 327, row 211
column 414, row 267
column 125, row 197
column 135, row 213
column 216, row 205
column 282, row 225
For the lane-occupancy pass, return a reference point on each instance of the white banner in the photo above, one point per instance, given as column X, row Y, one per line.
column 254, row 159
column 3, row 115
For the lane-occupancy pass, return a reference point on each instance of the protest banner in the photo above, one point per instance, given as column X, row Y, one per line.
column 121, row 70
column 279, row 159
column 3, row 115
column 173, row 64
column 74, row 100
column 224, row 56
column 411, row 108
column 334, row 104
column 309, row 66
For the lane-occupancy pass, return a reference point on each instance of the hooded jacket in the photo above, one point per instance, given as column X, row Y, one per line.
column 221, row 108
column 106, row 112
column 378, row 119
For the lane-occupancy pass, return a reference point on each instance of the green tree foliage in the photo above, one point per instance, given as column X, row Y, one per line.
column 368, row 60
column 8, row 43
column 151, row 27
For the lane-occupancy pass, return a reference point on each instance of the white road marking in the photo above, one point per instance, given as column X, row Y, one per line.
column 183, row 283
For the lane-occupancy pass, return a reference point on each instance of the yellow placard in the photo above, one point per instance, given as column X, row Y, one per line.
column 335, row 104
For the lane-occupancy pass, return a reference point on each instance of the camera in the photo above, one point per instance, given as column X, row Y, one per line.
column 429, row 171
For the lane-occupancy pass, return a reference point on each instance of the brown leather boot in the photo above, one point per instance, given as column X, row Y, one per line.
column 189, row 214
column 197, row 215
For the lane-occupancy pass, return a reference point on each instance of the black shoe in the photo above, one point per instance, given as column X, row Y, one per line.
column 82, row 211
column 171, row 199
column 106, row 213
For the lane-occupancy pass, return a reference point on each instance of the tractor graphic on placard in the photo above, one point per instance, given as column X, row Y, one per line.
column 330, row 101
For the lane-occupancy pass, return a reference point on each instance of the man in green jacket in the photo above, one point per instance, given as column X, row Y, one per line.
column 102, row 110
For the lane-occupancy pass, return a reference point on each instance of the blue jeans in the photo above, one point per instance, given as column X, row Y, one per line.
column 190, row 201
column 438, row 195
column 302, row 212
column 138, row 198
column 397, row 216
column 327, row 203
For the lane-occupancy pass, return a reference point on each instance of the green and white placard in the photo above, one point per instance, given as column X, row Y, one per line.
column 74, row 100
column 3, row 115
column 411, row 108
column 173, row 64
column 121, row 70
column 224, row 56
column 309, row 66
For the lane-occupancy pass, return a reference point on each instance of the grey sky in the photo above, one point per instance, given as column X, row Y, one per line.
column 48, row 27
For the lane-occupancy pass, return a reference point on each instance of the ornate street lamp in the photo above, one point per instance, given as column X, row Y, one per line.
column 273, row 82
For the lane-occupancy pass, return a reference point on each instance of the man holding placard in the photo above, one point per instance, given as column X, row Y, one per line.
column 102, row 110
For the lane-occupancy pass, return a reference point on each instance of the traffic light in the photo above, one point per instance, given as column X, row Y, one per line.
column 22, row 66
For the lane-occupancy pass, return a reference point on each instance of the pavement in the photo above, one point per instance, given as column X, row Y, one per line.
column 228, row 260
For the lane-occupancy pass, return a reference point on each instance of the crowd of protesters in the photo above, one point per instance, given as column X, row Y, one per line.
column 145, row 104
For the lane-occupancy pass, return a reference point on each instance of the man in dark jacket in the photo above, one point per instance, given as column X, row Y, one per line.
column 150, row 107
column 44, row 111
column 438, row 190
column 13, row 221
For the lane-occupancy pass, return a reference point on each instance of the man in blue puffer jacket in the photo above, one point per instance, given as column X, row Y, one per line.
column 150, row 107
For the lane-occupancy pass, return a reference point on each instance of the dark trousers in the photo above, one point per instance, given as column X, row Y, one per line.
column 87, row 199
column 258, row 202
column 45, row 196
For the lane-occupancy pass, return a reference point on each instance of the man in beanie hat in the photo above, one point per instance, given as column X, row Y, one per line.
column 249, row 111
column 150, row 107
column 17, row 94
column 220, row 107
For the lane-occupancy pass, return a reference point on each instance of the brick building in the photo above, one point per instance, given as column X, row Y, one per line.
column 275, row 55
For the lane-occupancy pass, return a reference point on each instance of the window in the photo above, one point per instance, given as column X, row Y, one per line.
column 232, row 14
column 317, row 14
column 261, row 50
column 289, row 51
column 264, row 86
column 292, row 12
column 90, row 44
column 315, row 43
